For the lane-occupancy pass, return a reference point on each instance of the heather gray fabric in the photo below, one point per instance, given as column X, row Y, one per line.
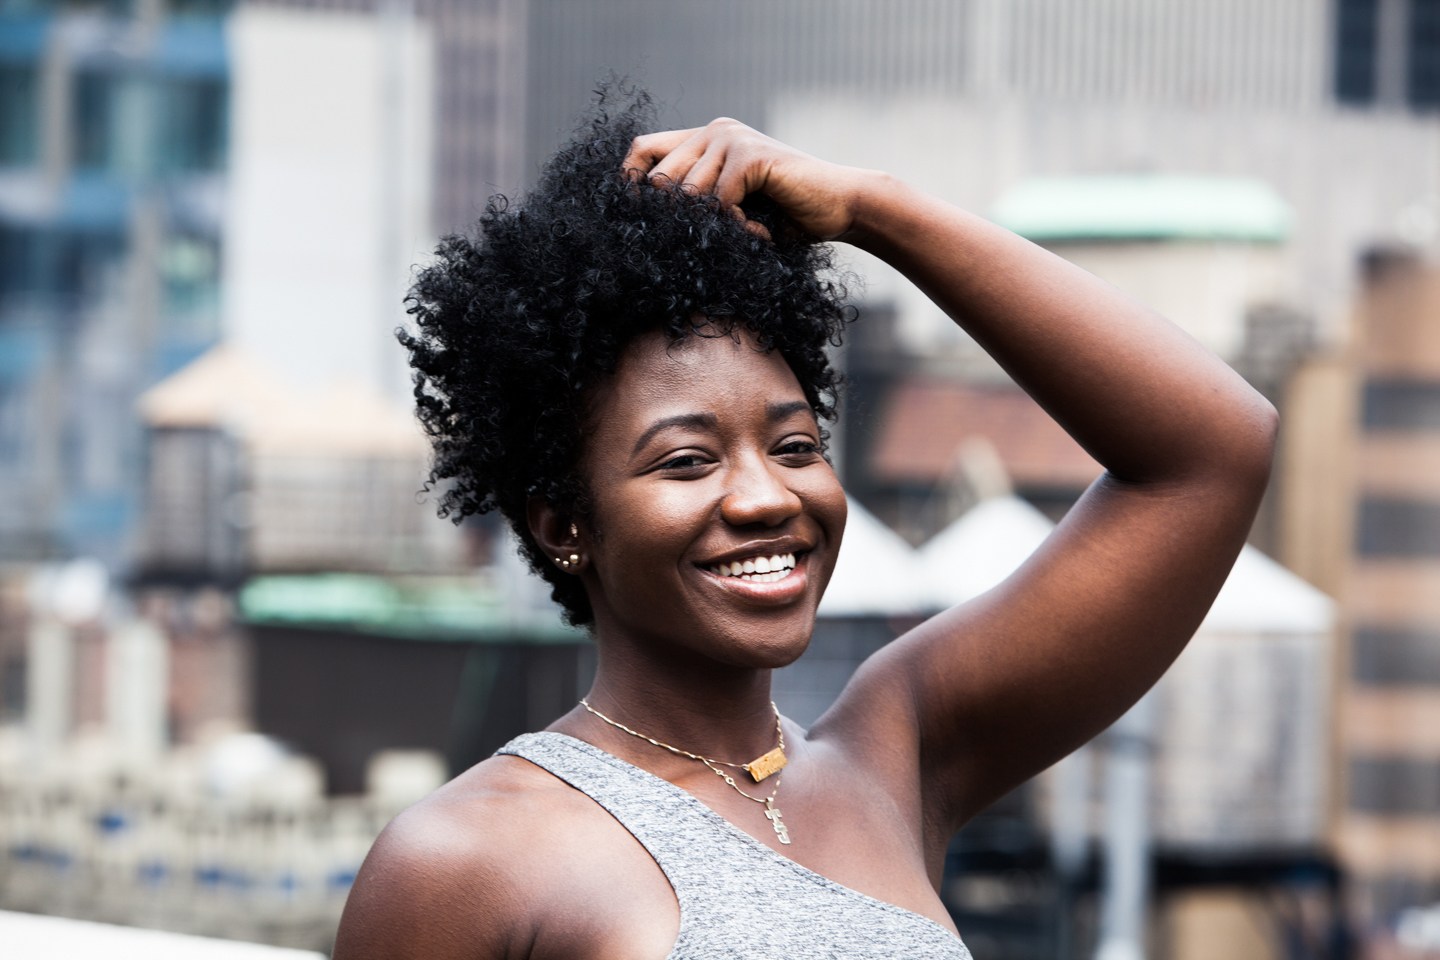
column 739, row 900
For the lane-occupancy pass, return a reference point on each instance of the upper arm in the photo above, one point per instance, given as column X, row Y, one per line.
column 422, row 894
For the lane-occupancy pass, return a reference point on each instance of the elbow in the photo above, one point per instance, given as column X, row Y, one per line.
column 1256, row 438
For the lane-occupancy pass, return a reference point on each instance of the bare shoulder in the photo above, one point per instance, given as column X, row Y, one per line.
column 463, row 872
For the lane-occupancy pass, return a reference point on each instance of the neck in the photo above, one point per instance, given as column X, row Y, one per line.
column 711, row 710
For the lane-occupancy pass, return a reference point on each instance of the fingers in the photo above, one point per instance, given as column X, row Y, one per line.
column 706, row 170
column 755, row 227
column 736, row 181
column 710, row 160
column 697, row 162
column 696, row 157
column 648, row 150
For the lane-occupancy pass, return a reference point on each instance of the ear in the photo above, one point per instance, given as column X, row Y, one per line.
column 556, row 533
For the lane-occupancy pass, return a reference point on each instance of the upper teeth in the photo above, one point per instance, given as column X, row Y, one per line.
column 762, row 569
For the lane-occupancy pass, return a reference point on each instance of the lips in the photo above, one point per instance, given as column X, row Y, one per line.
column 772, row 579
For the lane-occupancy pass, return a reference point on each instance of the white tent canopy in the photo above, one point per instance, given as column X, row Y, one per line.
column 990, row 542
column 982, row 548
column 1242, row 717
column 877, row 573
column 1260, row 596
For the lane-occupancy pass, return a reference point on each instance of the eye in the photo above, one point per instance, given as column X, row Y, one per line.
column 686, row 462
column 799, row 450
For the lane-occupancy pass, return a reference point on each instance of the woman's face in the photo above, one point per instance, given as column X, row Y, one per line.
column 715, row 519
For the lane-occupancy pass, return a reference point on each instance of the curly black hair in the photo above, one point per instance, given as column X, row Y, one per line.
column 514, row 322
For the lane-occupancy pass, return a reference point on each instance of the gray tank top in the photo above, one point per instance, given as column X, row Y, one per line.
column 738, row 898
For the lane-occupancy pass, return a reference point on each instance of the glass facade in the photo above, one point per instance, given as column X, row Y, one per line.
column 113, row 139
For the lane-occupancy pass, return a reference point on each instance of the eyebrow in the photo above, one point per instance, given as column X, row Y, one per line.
column 693, row 421
column 774, row 413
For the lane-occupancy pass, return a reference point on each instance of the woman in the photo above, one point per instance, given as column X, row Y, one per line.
column 631, row 368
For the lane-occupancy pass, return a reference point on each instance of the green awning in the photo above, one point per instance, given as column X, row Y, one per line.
column 421, row 608
column 1144, row 207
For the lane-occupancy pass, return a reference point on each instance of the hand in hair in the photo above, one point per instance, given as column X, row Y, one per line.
column 731, row 161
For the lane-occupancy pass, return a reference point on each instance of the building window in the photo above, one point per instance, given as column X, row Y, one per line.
column 190, row 278
column 1388, row 51
column 1356, row 37
column 101, row 125
column 19, row 115
column 1423, row 61
column 193, row 125
column 138, row 124
column 55, row 269
column 1394, row 786
column 1391, row 527
column 19, row 263
column 199, row 8
column 1407, row 656
column 1400, row 404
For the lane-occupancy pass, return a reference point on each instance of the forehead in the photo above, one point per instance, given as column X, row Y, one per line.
column 657, row 377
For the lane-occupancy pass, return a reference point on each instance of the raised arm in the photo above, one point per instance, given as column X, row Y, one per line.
column 986, row 694
column 1008, row 684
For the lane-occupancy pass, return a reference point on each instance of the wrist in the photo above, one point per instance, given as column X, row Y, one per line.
column 877, row 201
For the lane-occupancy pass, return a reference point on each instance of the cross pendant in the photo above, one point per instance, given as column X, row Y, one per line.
column 772, row 813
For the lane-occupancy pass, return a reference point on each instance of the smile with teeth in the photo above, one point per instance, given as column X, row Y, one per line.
column 757, row 569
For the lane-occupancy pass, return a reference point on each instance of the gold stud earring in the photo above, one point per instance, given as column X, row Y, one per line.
column 574, row 560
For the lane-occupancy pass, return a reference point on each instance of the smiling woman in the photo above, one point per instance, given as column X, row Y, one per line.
column 630, row 366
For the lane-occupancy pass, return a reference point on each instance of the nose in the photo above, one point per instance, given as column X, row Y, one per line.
column 758, row 494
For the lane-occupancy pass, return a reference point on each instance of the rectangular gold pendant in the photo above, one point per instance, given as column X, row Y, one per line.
column 761, row 767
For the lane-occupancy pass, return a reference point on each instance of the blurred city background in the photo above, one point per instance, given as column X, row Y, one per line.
column 234, row 639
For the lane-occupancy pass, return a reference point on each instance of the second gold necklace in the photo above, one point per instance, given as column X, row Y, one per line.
column 759, row 769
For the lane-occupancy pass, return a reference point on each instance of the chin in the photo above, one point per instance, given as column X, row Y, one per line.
column 778, row 657
column 775, row 649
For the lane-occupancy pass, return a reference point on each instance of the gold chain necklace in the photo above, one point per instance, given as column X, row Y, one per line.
column 759, row 768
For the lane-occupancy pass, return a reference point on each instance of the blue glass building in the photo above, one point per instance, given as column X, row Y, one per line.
column 113, row 120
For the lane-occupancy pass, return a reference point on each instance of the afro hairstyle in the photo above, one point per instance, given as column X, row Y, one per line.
column 516, row 320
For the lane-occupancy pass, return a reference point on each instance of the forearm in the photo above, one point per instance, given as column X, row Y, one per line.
column 1138, row 393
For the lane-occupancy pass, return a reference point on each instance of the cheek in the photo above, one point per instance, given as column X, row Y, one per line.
column 679, row 506
column 648, row 522
column 826, row 496
column 829, row 506
column 842, row 509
